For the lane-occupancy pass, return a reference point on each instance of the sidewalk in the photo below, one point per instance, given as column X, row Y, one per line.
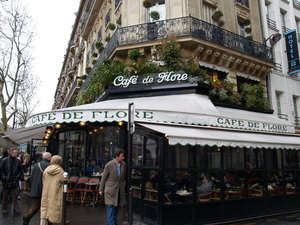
column 77, row 214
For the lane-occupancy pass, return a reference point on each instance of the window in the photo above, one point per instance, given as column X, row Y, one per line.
column 179, row 157
column 117, row 3
column 208, row 157
column 273, row 159
column 279, row 103
column 99, row 36
column 108, row 18
column 241, row 30
column 207, row 13
column 242, row 80
column 160, row 7
column 254, row 159
column 289, row 157
column 296, row 110
column 214, row 74
column 233, row 158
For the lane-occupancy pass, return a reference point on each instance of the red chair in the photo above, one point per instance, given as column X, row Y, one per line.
column 90, row 191
column 72, row 181
column 79, row 187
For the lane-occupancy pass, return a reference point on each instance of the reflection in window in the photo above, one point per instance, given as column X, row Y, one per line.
column 179, row 157
column 289, row 157
column 234, row 185
column 254, row 158
column 178, row 187
column 290, row 180
column 208, row 157
column 256, row 184
column 234, row 158
column 208, row 187
column 137, row 150
column 136, row 181
column 151, row 153
column 274, row 159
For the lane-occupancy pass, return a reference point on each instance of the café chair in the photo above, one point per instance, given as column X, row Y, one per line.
column 205, row 197
column 71, row 185
column 215, row 195
column 79, row 187
column 151, row 194
column 289, row 190
column 256, row 191
column 90, row 190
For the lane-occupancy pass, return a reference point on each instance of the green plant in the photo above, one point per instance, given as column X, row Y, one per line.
column 234, row 98
column 80, row 83
column 88, row 69
column 107, row 38
column 221, row 23
column 154, row 15
column 94, row 61
column 217, row 15
column 83, row 77
column 95, row 54
column 99, row 44
column 171, row 54
column 147, row 3
column 250, row 37
column 247, row 22
column 254, row 96
column 134, row 54
column 111, row 26
column 248, row 30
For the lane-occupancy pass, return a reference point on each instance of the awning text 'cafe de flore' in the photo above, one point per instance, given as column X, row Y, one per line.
column 191, row 161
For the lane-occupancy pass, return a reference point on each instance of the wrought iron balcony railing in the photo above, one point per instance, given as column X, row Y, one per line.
column 271, row 23
column 296, row 4
column 278, row 67
column 117, row 3
column 282, row 116
column 182, row 27
column 243, row 2
column 297, row 120
column 285, row 29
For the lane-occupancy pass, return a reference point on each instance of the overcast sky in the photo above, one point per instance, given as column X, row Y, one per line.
column 52, row 22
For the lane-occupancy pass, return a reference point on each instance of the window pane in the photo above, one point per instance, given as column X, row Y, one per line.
column 179, row 157
column 137, row 150
column 208, row 187
column 151, row 152
column 290, row 159
column 256, row 184
column 234, row 185
column 275, row 183
column 234, row 158
column 290, row 180
column 178, row 187
column 274, row 159
column 254, row 158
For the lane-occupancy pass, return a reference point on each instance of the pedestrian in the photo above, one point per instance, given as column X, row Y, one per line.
column 11, row 173
column 113, row 186
column 36, row 187
column 52, row 195
column 4, row 155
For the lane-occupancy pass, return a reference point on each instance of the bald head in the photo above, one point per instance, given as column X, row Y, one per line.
column 47, row 155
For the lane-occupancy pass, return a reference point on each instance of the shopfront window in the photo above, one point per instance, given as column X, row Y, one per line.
column 289, row 157
column 290, row 181
column 104, row 141
column 233, row 158
column 178, row 187
column 209, row 186
column 137, row 150
column 256, row 183
column 275, row 183
column 208, row 157
column 151, row 152
column 273, row 158
column 254, row 158
column 179, row 157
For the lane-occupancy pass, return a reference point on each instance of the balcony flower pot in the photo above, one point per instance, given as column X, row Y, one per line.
column 99, row 44
column 248, row 30
column 107, row 38
column 221, row 23
column 154, row 15
column 95, row 54
column 111, row 26
column 83, row 77
column 80, row 83
column 147, row 3
column 88, row 69
column 217, row 15
column 94, row 61
column 100, row 49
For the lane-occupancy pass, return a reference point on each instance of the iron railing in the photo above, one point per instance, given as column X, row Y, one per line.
column 181, row 27
column 278, row 67
column 296, row 4
column 285, row 29
column 282, row 116
column 243, row 2
column 271, row 23
column 117, row 3
column 297, row 120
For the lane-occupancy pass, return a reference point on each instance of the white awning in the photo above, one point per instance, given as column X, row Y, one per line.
column 247, row 76
column 188, row 109
column 22, row 135
column 214, row 67
column 223, row 137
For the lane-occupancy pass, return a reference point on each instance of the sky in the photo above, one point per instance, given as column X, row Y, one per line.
column 52, row 26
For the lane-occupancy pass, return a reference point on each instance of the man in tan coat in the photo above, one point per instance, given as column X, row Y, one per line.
column 51, row 204
column 113, row 186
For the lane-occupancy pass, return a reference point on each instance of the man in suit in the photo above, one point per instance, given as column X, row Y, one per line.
column 113, row 186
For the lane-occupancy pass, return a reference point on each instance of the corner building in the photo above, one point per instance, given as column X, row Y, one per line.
column 192, row 158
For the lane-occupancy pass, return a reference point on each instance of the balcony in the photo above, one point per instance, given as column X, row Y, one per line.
column 296, row 4
column 184, row 27
column 282, row 116
column 271, row 23
column 243, row 2
column 278, row 67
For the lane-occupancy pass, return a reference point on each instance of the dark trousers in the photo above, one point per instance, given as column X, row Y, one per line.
column 34, row 208
column 13, row 192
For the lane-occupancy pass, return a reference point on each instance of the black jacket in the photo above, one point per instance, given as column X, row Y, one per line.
column 11, row 172
column 36, row 179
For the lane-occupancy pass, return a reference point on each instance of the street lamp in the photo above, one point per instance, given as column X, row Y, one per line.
column 274, row 38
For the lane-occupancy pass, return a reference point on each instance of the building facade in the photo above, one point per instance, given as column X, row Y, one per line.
column 281, row 16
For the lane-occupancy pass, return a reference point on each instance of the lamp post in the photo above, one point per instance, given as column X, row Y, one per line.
column 274, row 38
column 64, row 205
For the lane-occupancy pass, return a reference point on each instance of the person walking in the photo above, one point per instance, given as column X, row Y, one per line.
column 11, row 173
column 52, row 195
column 4, row 155
column 112, row 185
column 36, row 187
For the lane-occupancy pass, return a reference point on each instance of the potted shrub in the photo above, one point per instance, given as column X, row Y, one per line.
column 95, row 54
column 107, row 38
column 88, row 69
column 250, row 37
column 217, row 15
column 248, row 30
column 134, row 54
column 111, row 26
column 80, row 83
column 147, row 3
column 100, row 49
column 94, row 61
column 221, row 23
column 99, row 44
column 154, row 15
column 83, row 77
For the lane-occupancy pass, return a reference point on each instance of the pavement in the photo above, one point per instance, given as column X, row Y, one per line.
column 87, row 215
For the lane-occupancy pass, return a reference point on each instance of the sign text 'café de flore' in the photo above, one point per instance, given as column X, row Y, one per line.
column 117, row 110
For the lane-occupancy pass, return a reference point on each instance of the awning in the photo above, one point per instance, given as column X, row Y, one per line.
column 223, row 137
column 186, row 109
column 214, row 67
column 22, row 135
column 247, row 76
